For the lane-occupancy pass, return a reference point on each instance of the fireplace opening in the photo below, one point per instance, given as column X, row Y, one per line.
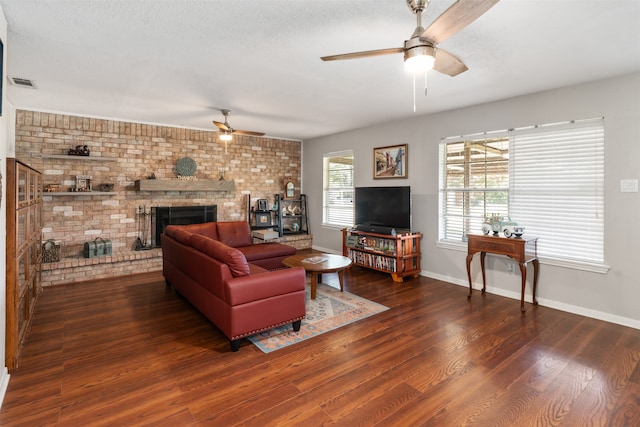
column 161, row 216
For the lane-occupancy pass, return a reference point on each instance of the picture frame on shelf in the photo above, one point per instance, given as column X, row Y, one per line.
column 263, row 219
column 390, row 162
column 262, row 205
column 83, row 183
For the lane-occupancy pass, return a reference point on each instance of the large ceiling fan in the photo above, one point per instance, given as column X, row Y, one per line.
column 228, row 131
column 420, row 51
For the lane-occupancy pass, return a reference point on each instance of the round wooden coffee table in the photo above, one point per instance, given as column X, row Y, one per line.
column 318, row 264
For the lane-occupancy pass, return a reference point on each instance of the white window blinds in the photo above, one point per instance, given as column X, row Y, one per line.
column 338, row 189
column 556, row 181
column 547, row 178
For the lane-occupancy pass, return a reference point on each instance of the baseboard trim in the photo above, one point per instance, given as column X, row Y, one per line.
column 569, row 308
column 4, row 384
column 326, row 250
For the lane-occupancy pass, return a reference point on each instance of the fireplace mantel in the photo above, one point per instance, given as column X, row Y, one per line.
column 184, row 185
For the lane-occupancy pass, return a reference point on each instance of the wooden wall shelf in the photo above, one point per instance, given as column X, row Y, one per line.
column 68, row 157
column 180, row 185
column 79, row 193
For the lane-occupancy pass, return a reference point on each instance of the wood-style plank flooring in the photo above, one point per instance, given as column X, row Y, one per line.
column 130, row 352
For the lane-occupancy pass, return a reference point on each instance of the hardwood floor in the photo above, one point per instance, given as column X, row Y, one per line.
column 131, row 352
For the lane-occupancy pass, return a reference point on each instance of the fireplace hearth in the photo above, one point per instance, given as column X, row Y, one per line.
column 161, row 216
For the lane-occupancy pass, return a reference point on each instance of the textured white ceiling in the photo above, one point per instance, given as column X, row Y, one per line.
column 178, row 62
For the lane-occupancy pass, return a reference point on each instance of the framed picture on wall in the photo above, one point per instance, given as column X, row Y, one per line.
column 390, row 162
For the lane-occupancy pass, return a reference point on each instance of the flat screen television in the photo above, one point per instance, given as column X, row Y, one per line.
column 381, row 209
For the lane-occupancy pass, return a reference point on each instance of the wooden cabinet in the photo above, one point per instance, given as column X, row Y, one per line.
column 398, row 255
column 24, row 252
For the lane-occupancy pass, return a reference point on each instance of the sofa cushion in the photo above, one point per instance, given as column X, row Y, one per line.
column 256, row 269
column 208, row 229
column 170, row 230
column 199, row 242
column 234, row 233
column 267, row 250
column 182, row 236
column 232, row 257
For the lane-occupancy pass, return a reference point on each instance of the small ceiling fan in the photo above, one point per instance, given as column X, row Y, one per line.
column 228, row 131
column 420, row 51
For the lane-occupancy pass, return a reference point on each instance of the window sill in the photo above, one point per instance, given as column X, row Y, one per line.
column 576, row 265
column 334, row 227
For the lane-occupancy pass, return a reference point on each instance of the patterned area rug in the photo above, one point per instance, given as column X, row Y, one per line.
column 330, row 310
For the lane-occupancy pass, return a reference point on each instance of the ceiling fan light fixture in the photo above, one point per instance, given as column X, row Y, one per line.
column 419, row 59
column 226, row 136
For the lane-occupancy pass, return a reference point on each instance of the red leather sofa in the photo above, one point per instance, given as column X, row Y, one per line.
column 240, row 287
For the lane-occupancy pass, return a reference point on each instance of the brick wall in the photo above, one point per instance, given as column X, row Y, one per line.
column 258, row 166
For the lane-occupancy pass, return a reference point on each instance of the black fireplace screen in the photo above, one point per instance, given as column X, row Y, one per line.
column 161, row 216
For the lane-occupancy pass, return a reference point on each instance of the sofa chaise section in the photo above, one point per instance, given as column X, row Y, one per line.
column 241, row 298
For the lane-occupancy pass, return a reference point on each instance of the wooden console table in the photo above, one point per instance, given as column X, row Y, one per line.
column 522, row 249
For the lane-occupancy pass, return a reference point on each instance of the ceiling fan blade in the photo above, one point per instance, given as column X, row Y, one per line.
column 247, row 132
column 221, row 126
column 459, row 15
column 449, row 64
column 363, row 54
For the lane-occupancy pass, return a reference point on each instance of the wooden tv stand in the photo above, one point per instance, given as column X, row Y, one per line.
column 397, row 255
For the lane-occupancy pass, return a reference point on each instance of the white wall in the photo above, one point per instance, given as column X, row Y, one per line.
column 613, row 296
column 4, row 152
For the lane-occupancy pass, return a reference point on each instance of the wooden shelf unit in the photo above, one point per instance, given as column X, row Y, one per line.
column 23, row 253
column 397, row 255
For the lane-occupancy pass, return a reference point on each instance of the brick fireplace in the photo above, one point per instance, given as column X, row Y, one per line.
column 161, row 216
column 120, row 154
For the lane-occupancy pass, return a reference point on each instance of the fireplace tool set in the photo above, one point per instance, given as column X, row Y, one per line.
column 143, row 229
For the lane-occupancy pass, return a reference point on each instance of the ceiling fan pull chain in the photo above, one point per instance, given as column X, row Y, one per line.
column 414, row 92
column 425, row 83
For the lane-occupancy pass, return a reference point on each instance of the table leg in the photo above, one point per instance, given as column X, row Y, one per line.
column 314, row 284
column 535, row 280
column 523, row 272
column 484, row 280
column 469, row 257
column 341, row 280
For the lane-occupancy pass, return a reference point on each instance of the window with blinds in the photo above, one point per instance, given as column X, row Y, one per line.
column 474, row 184
column 548, row 178
column 338, row 189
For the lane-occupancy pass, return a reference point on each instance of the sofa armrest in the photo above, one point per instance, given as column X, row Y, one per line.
column 241, row 290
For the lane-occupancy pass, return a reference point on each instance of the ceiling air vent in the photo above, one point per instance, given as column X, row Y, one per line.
column 17, row 81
